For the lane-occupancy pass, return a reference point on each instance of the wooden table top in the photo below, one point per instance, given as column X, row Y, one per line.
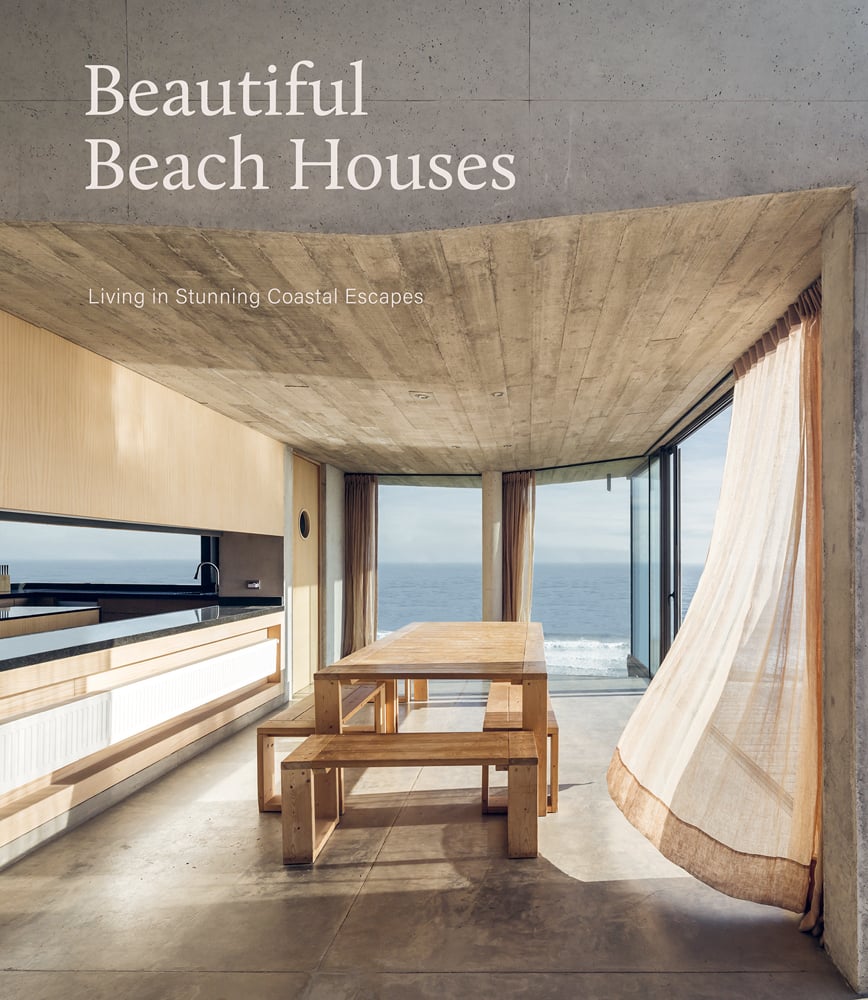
column 511, row 651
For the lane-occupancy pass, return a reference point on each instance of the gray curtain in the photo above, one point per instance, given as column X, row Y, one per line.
column 519, row 503
column 360, row 562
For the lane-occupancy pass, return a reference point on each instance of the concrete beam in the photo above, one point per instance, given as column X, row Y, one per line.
column 721, row 103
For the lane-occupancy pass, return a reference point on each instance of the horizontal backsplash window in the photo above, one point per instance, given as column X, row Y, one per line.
column 76, row 554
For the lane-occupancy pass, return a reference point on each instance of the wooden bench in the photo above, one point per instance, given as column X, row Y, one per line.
column 311, row 807
column 297, row 720
column 503, row 713
column 415, row 690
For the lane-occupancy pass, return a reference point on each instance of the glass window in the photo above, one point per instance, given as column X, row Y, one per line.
column 702, row 459
column 77, row 554
column 640, row 572
column 581, row 580
column 429, row 554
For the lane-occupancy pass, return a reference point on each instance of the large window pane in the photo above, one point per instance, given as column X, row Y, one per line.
column 582, row 576
column 702, row 458
column 430, row 555
column 640, row 578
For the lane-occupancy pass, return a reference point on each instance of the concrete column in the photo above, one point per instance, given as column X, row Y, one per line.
column 859, row 706
column 492, row 546
column 845, row 572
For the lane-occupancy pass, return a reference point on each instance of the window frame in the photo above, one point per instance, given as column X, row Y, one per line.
column 209, row 551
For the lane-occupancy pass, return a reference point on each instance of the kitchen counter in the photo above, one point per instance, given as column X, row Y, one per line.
column 36, row 611
column 20, row 620
column 86, row 708
column 25, row 650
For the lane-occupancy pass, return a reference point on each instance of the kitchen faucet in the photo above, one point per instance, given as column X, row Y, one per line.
column 216, row 570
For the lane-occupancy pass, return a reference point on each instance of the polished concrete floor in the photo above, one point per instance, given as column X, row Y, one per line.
column 179, row 893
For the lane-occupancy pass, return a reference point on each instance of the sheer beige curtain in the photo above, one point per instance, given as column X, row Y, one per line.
column 720, row 764
column 360, row 562
column 519, row 505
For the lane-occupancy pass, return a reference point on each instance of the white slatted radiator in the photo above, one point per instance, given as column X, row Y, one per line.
column 40, row 742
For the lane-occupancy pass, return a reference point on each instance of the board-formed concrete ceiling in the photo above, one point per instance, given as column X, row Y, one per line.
column 537, row 344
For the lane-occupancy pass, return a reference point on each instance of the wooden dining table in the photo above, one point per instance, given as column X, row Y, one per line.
column 493, row 651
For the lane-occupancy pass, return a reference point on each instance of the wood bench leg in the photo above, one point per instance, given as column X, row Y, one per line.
column 535, row 717
column 266, row 774
column 298, row 819
column 553, row 771
column 485, row 788
column 521, row 816
column 310, row 811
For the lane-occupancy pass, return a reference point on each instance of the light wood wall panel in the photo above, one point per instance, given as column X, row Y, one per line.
column 82, row 436
column 305, row 573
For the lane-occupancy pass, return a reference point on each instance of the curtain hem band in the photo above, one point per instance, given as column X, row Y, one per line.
column 774, row 881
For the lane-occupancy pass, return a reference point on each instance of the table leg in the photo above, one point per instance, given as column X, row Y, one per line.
column 328, row 785
column 535, row 717
column 327, row 705
column 391, row 706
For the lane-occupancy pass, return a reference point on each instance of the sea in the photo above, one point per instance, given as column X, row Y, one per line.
column 584, row 608
column 169, row 572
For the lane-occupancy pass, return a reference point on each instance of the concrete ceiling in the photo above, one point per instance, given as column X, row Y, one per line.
column 542, row 343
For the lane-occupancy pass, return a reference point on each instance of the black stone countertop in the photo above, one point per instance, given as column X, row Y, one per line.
column 37, row 611
column 84, row 592
column 25, row 650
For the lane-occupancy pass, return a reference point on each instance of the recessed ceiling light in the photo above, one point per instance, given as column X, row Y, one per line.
column 420, row 395
column 498, row 394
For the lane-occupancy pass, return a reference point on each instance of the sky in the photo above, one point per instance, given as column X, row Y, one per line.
column 20, row 540
column 576, row 522
column 702, row 459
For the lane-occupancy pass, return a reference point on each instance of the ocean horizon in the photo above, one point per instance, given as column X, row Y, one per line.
column 584, row 608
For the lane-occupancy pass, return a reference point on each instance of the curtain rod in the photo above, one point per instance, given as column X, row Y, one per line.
column 808, row 304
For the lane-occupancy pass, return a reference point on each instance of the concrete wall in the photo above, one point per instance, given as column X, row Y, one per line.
column 605, row 107
column 844, row 694
column 855, row 966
